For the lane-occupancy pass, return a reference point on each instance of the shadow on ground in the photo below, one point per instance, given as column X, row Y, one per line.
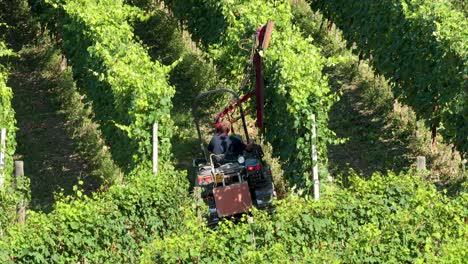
column 361, row 116
column 50, row 159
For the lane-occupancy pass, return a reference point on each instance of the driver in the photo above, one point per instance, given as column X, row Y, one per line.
column 229, row 145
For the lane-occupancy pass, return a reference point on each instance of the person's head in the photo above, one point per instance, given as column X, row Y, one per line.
column 224, row 126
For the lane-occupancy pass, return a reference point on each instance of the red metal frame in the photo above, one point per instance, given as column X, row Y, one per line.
column 232, row 107
column 262, row 42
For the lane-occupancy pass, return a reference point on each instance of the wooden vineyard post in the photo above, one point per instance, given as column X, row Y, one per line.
column 314, row 160
column 155, row 148
column 21, row 207
column 421, row 163
column 2, row 156
column 416, row 133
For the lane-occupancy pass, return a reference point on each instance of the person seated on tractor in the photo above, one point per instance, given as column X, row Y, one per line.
column 229, row 145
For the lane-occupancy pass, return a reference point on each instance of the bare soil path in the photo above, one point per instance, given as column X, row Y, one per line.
column 51, row 161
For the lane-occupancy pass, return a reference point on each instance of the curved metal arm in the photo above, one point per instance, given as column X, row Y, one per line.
column 195, row 106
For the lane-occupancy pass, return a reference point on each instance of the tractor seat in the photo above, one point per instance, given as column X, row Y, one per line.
column 224, row 159
column 229, row 168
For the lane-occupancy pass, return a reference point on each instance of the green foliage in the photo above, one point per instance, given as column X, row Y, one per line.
column 387, row 219
column 192, row 74
column 83, row 130
column 128, row 90
column 8, row 196
column 110, row 227
column 159, row 32
column 12, row 191
column 295, row 86
column 16, row 16
column 381, row 134
column 459, row 5
column 391, row 218
column 207, row 29
column 7, row 113
column 420, row 45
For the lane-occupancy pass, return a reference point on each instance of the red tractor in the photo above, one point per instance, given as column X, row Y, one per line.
column 232, row 185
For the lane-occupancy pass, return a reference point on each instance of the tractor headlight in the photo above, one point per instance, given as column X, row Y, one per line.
column 241, row 159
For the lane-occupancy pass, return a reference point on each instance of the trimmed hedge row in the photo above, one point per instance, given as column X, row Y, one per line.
column 88, row 140
column 192, row 73
column 421, row 46
column 7, row 120
column 393, row 144
column 129, row 92
column 387, row 219
column 295, row 85
column 111, row 227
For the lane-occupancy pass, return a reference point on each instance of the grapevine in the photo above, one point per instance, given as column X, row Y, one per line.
column 421, row 46
column 129, row 91
column 7, row 121
column 391, row 218
column 295, row 85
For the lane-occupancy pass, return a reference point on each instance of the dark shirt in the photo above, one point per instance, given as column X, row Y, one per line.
column 228, row 145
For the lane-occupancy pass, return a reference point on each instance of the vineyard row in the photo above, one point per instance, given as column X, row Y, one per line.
column 420, row 46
